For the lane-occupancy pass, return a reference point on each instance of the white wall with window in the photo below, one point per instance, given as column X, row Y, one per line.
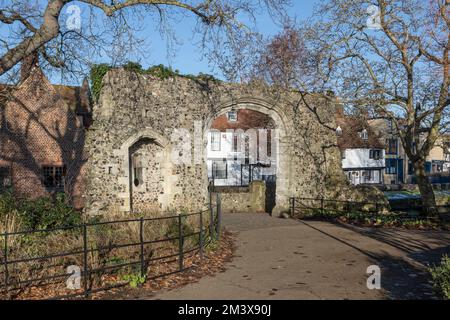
column 364, row 166
column 363, row 158
column 230, row 156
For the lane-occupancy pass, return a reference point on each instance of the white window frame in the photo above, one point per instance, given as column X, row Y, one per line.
column 216, row 142
column 232, row 116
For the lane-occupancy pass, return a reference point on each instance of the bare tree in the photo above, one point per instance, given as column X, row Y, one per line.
column 388, row 57
column 29, row 26
column 283, row 60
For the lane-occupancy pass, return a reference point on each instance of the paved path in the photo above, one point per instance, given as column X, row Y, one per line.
column 287, row 259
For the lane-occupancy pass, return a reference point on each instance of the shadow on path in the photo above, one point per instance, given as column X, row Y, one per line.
column 404, row 274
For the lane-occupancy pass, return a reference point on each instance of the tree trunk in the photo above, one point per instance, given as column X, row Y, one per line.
column 425, row 188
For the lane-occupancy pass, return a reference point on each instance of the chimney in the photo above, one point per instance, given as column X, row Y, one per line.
column 340, row 111
column 28, row 63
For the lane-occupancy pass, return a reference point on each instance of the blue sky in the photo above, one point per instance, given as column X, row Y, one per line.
column 187, row 56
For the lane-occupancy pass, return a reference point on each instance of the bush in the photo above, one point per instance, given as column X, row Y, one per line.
column 441, row 277
column 42, row 213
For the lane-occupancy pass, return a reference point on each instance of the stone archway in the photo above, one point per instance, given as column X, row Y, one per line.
column 283, row 145
column 133, row 107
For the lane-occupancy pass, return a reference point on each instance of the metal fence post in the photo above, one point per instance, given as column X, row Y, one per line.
column 211, row 216
column 219, row 216
column 180, row 242
column 200, row 240
column 85, row 261
column 141, row 239
column 292, row 207
column 6, row 263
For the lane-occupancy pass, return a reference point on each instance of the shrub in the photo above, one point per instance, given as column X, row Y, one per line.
column 162, row 72
column 133, row 66
column 41, row 213
column 441, row 277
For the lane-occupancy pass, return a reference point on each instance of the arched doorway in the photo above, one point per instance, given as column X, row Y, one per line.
column 146, row 160
column 145, row 170
column 230, row 166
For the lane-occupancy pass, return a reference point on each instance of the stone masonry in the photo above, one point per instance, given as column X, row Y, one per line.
column 140, row 122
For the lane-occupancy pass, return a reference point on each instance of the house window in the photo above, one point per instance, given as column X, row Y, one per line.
column 219, row 170
column 391, row 146
column 364, row 135
column 54, row 176
column 5, row 178
column 375, row 154
column 215, row 141
column 235, row 143
column 367, row 175
column 391, row 166
column 437, row 166
column 232, row 116
column 343, row 154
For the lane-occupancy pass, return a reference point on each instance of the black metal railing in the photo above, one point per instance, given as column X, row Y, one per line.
column 142, row 254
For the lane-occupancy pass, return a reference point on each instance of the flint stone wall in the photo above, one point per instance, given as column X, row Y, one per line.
column 133, row 107
column 251, row 199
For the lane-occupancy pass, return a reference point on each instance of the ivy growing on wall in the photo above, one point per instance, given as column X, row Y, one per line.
column 98, row 71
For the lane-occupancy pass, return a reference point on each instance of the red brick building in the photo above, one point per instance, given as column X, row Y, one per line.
column 42, row 136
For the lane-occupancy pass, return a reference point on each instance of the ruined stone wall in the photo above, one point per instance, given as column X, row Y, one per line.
column 244, row 200
column 132, row 107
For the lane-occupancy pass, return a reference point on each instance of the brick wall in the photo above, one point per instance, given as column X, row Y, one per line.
column 39, row 129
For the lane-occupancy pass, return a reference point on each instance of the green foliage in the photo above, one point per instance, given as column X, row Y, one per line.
column 97, row 73
column 41, row 213
column 160, row 71
column 441, row 277
column 135, row 279
column 133, row 66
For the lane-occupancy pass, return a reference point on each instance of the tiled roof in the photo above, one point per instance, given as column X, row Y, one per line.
column 5, row 91
column 77, row 98
column 349, row 139
column 246, row 119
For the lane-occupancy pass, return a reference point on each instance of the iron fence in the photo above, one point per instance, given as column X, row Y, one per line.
column 142, row 256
